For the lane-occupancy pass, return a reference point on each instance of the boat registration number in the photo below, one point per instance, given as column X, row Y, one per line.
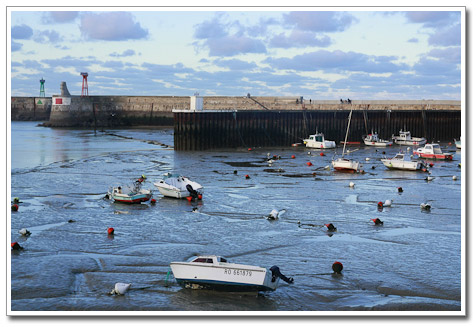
column 238, row 272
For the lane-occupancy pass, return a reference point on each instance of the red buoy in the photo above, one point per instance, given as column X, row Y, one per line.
column 189, row 198
column 377, row 221
column 400, row 189
column 153, row 201
column 293, row 157
column 16, row 246
column 200, row 196
column 14, row 207
column 431, row 164
column 337, row 267
column 309, row 163
column 322, row 154
column 330, row 227
column 380, row 204
column 247, row 176
column 110, row 230
column 249, row 149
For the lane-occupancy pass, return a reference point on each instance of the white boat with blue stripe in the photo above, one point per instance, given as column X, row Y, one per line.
column 215, row 272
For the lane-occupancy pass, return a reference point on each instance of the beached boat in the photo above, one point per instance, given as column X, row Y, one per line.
column 129, row 195
column 405, row 138
column 373, row 140
column 403, row 161
column 177, row 186
column 432, row 151
column 215, row 272
column 344, row 164
column 317, row 141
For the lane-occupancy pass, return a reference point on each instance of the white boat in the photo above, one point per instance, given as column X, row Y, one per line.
column 373, row 140
column 432, row 151
column 405, row 138
column 317, row 141
column 403, row 161
column 458, row 143
column 129, row 194
column 344, row 164
column 178, row 186
column 215, row 272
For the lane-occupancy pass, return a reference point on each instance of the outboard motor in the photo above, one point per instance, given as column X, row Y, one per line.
column 193, row 193
column 277, row 273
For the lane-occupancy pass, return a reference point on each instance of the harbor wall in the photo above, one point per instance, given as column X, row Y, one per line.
column 30, row 108
column 109, row 111
column 234, row 129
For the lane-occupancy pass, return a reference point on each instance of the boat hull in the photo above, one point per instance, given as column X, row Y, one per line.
column 320, row 145
column 379, row 144
column 175, row 193
column 345, row 165
column 226, row 277
column 434, row 156
column 399, row 165
column 138, row 198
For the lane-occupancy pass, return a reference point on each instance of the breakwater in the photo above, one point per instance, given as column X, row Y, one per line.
column 231, row 129
column 30, row 108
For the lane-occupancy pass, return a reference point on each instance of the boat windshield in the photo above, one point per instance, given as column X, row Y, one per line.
column 204, row 260
column 400, row 156
column 319, row 138
column 436, row 149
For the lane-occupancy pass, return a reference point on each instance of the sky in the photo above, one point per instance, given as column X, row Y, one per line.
column 377, row 53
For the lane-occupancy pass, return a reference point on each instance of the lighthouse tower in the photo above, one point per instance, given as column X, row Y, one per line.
column 42, row 88
column 84, row 90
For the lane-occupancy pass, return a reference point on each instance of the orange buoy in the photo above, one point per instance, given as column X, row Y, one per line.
column 322, row 154
column 16, row 246
column 293, row 157
column 200, row 196
column 15, row 207
column 309, row 163
column 189, row 198
column 110, row 231
column 337, row 267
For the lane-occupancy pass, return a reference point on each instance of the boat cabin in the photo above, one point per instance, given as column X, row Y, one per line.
column 432, row 148
column 405, row 135
column 317, row 138
column 208, row 259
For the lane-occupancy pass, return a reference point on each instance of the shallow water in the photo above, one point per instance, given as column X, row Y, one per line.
column 412, row 262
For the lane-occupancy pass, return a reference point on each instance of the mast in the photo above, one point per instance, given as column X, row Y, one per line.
column 347, row 133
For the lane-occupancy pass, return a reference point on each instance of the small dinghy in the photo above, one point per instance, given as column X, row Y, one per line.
column 130, row 194
column 215, row 272
column 177, row 186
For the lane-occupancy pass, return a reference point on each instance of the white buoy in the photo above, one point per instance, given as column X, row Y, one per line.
column 327, row 167
column 351, row 184
column 24, row 232
column 273, row 214
column 455, row 178
column 387, row 203
column 429, row 178
column 120, row 289
column 425, row 206
column 367, row 159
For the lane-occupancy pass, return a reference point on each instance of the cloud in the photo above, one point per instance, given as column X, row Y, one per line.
column 16, row 46
column 125, row 53
column 299, row 39
column 22, row 32
column 337, row 61
column 233, row 45
column 320, row 21
column 434, row 19
column 52, row 17
column 111, row 26
column 47, row 36
column 210, row 29
column 446, row 37
column 235, row 64
column 413, row 40
column 451, row 54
